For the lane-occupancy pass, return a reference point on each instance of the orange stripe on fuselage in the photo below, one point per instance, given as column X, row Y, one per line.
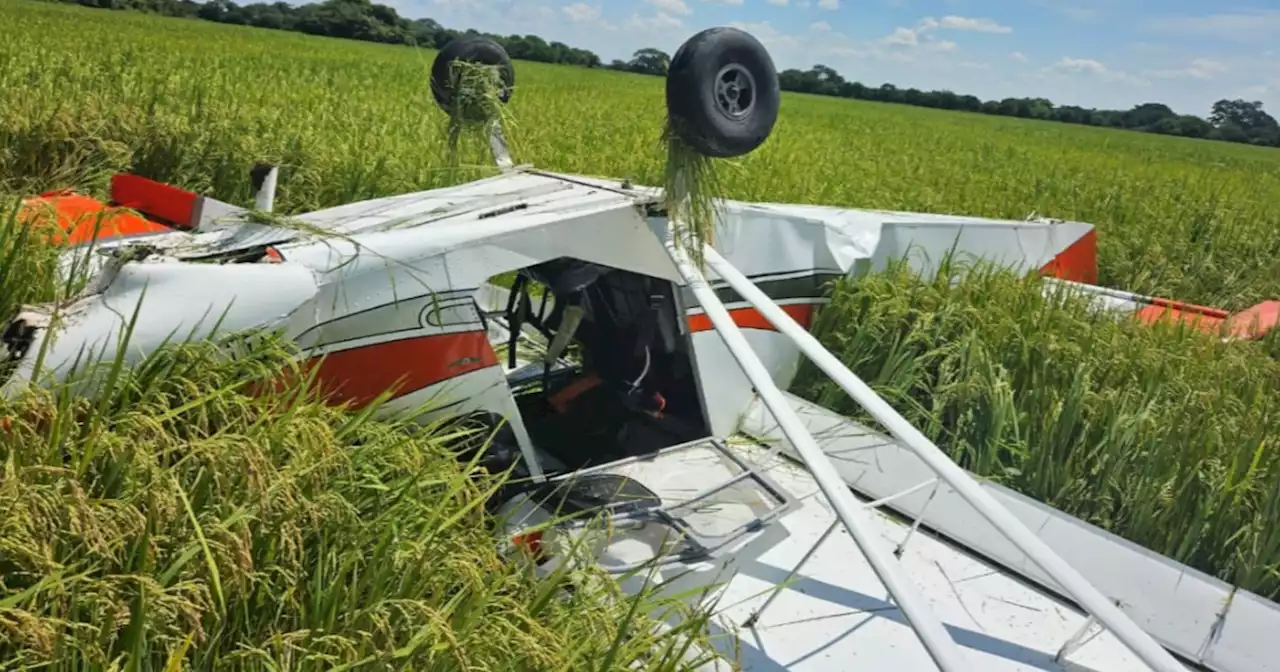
column 750, row 318
column 359, row 375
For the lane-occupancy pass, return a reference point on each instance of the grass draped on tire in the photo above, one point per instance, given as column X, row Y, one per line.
column 691, row 187
column 476, row 106
column 194, row 517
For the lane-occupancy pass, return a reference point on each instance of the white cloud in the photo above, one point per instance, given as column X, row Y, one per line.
column 905, row 37
column 1019, row 56
column 820, row 27
column 725, row 2
column 1198, row 68
column 769, row 36
column 1092, row 68
column 971, row 24
column 922, row 36
column 672, row 6
column 778, row 3
column 1247, row 26
column 963, row 23
column 1203, row 68
column 829, row 4
column 657, row 22
column 580, row 12
column 1069, row 64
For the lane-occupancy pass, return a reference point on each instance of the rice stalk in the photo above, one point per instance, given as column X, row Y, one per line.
column 476, row 108
column 691, row 189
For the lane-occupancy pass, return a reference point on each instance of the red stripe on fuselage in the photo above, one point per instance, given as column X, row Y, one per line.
column 359, row 375
column 750, row 318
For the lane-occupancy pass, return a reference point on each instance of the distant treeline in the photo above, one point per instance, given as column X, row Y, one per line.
column 1229, row 120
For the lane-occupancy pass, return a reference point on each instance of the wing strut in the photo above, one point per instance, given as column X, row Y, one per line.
column 941, row 647
column 1075, row 585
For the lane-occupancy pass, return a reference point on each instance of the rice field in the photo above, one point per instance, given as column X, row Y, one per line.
column 1158, row 434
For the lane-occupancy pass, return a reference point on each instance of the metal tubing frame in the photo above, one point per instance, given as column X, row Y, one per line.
column 755, row 616
column 1075, row 585
column 935, row 638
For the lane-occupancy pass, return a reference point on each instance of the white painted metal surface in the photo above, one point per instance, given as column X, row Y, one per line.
column 835, row 613
column 1075, row 585
column 183, row 302
column 264, row 198
column 1191, row 613
column 836, row 617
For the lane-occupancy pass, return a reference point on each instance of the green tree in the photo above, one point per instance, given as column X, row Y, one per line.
column 650, row 61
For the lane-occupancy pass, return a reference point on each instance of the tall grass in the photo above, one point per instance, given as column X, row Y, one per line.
column 28, row 268
column 195, row 517
column 1161, row 434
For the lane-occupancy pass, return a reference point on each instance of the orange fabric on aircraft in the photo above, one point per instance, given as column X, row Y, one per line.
column 154, row 199
column 1078, row 263
column 1203, row 320
column 1250, row 324
column 1255, row 322
column 82, row 219
column 750, row 318
column 359, row 375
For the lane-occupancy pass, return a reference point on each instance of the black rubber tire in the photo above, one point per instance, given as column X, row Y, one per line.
column 696, row 109
column 474, row 50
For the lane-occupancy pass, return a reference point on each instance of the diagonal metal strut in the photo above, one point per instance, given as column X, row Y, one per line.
column 1075, row 585
column 939, row 644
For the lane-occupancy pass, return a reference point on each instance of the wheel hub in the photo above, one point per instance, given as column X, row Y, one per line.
column 735, row 91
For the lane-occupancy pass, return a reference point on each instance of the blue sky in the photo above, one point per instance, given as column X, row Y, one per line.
column 1095, row 53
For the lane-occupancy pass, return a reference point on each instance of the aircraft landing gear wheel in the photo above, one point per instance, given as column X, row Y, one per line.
column 722, row 93
column 480, row 50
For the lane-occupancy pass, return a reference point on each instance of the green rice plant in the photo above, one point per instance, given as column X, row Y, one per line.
column 1159, row 433
column 28, row 269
